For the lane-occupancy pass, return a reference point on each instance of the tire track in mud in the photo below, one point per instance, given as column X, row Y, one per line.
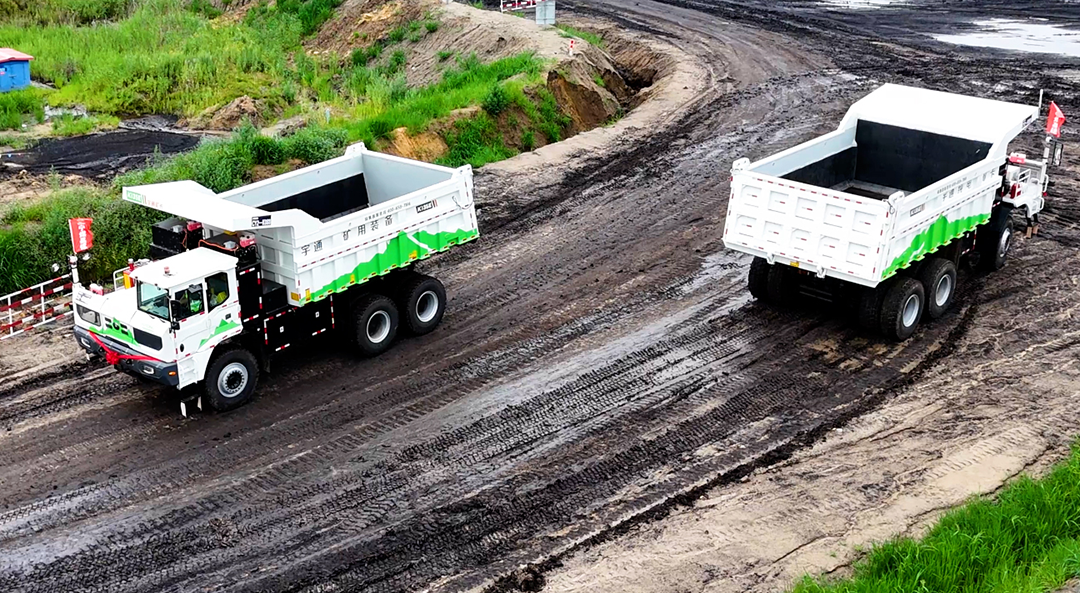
column 706, row 338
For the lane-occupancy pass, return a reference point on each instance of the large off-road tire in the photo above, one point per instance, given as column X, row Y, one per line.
column 374, row 324
column 422, row 303
column 869, row 313
column 902, row 309
column 758, row 279
column 781, row 285
column 938, row 277
column 995, row 239
column 231, row 379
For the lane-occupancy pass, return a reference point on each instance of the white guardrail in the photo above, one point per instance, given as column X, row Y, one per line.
column 33, row 307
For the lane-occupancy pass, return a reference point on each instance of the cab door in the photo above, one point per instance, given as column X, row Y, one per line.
column 191, row 327
column 223, row 306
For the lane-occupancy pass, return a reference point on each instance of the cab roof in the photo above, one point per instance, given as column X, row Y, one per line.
column 185, row 268
column 948, row 114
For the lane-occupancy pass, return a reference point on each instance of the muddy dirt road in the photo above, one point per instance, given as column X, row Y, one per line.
column 600, row 363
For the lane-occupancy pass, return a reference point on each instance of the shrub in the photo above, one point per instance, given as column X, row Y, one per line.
column 431, row 26
column 397, row 62
column 496, row 101
column 528, row 141
column 267, row 151
column 205, row 8
column 444, row 55
column 315, row 145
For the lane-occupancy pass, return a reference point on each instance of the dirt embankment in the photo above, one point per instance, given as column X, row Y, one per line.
column 593, row 85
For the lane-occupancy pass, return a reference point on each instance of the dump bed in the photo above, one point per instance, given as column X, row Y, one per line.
column 327, row 227
column 908, row 171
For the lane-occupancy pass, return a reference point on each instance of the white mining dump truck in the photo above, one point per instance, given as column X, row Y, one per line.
column 242, row 275
column 884, row 209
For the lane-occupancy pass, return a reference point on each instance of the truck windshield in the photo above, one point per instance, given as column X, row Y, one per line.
column 154, row 300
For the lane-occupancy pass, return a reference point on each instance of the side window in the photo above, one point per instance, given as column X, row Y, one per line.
column 187, row 303
column 217, row 290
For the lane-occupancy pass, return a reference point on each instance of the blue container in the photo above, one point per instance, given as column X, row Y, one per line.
column 14, row 70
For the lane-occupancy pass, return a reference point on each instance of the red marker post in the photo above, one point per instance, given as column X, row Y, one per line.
column 82, row 238
column 1055, row 120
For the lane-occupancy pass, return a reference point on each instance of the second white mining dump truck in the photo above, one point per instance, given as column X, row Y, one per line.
column 251, row 272
column 885, row 208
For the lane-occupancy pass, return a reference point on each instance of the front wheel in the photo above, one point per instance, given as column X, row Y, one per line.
column 902, row 308
column 230, row 380
column 996, row 239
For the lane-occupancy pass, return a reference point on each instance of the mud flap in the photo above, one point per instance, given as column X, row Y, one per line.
column 185, row 405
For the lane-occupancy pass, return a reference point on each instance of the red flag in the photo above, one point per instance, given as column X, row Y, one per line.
column 1055, row 121
column 82, row 239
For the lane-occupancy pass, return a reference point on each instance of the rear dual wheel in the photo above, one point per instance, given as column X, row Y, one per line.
column 418, row 309
column 938, row 277
column 902, row 308
column 422, row 301
column 374, row 324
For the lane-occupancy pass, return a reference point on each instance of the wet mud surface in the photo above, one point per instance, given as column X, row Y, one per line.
column 600, row 364
column 97, row 155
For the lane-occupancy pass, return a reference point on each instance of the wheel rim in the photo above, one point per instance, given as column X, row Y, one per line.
column 943, row 291
column 232, row 380
column 1004, row 243
column 378, row 327
column 427, row 306
column 911, row 310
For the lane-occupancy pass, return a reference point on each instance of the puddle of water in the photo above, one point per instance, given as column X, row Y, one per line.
column 1020, row 36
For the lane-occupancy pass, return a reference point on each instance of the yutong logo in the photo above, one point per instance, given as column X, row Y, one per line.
column 426, row 206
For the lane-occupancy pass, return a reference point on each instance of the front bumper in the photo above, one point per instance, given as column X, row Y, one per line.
column 165, row 373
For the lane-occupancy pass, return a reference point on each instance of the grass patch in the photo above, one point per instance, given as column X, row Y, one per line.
column 592, row 38
column 15, row 141
column 1026, row 541
column 70, row 125
column 19, row 107
column 43, row 12
column 476, row 142
column 391, row 105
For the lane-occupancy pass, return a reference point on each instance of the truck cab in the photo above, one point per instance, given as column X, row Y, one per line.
column 165, row 321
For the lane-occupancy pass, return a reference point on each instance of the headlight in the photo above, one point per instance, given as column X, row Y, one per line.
column 88, row 315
